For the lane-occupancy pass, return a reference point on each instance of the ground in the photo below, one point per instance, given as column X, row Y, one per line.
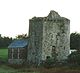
column 3, row 54
column 5, row 68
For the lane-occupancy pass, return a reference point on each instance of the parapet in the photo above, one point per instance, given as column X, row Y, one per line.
column 53, row 16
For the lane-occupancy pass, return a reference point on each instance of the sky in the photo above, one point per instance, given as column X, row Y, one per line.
column 15, row 14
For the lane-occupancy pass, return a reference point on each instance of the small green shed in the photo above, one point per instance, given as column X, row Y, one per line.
column 17, row 51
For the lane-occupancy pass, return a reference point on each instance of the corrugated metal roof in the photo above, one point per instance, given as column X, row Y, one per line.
column 20, row 43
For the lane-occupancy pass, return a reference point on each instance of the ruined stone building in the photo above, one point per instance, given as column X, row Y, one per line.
column 48, row 36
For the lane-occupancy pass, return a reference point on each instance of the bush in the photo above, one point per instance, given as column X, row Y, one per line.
column 53, row 62
column 74, row 58
column 49, row 62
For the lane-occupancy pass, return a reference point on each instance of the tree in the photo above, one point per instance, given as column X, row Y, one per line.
column 75, row 41
column 5, row 41
column 22, row 36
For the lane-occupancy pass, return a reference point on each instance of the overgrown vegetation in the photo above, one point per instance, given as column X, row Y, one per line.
column 49, row 62
column 74, row 58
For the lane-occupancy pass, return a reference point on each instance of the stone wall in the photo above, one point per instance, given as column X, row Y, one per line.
column 56, row 33
column 16, row 61
column 35, row 41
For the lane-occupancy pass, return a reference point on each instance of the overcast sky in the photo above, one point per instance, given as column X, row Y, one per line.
column 15, row 14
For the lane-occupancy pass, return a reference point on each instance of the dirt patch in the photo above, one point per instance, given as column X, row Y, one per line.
column 59, row 70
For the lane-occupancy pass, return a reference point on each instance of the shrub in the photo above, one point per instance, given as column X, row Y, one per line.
column 74, row 58
column 49, row 62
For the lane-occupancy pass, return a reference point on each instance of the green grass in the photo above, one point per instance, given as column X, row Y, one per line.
column 7, row 69
column 4, row 53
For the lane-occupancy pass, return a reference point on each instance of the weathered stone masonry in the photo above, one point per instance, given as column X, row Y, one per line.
column 48, row 35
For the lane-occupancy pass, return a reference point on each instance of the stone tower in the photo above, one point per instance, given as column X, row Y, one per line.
column 48, row 36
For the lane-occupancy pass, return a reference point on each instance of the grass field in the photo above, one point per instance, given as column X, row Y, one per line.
column 3, row 54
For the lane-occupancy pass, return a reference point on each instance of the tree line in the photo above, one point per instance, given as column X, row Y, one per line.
column 5, row 41
column 74, row 40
